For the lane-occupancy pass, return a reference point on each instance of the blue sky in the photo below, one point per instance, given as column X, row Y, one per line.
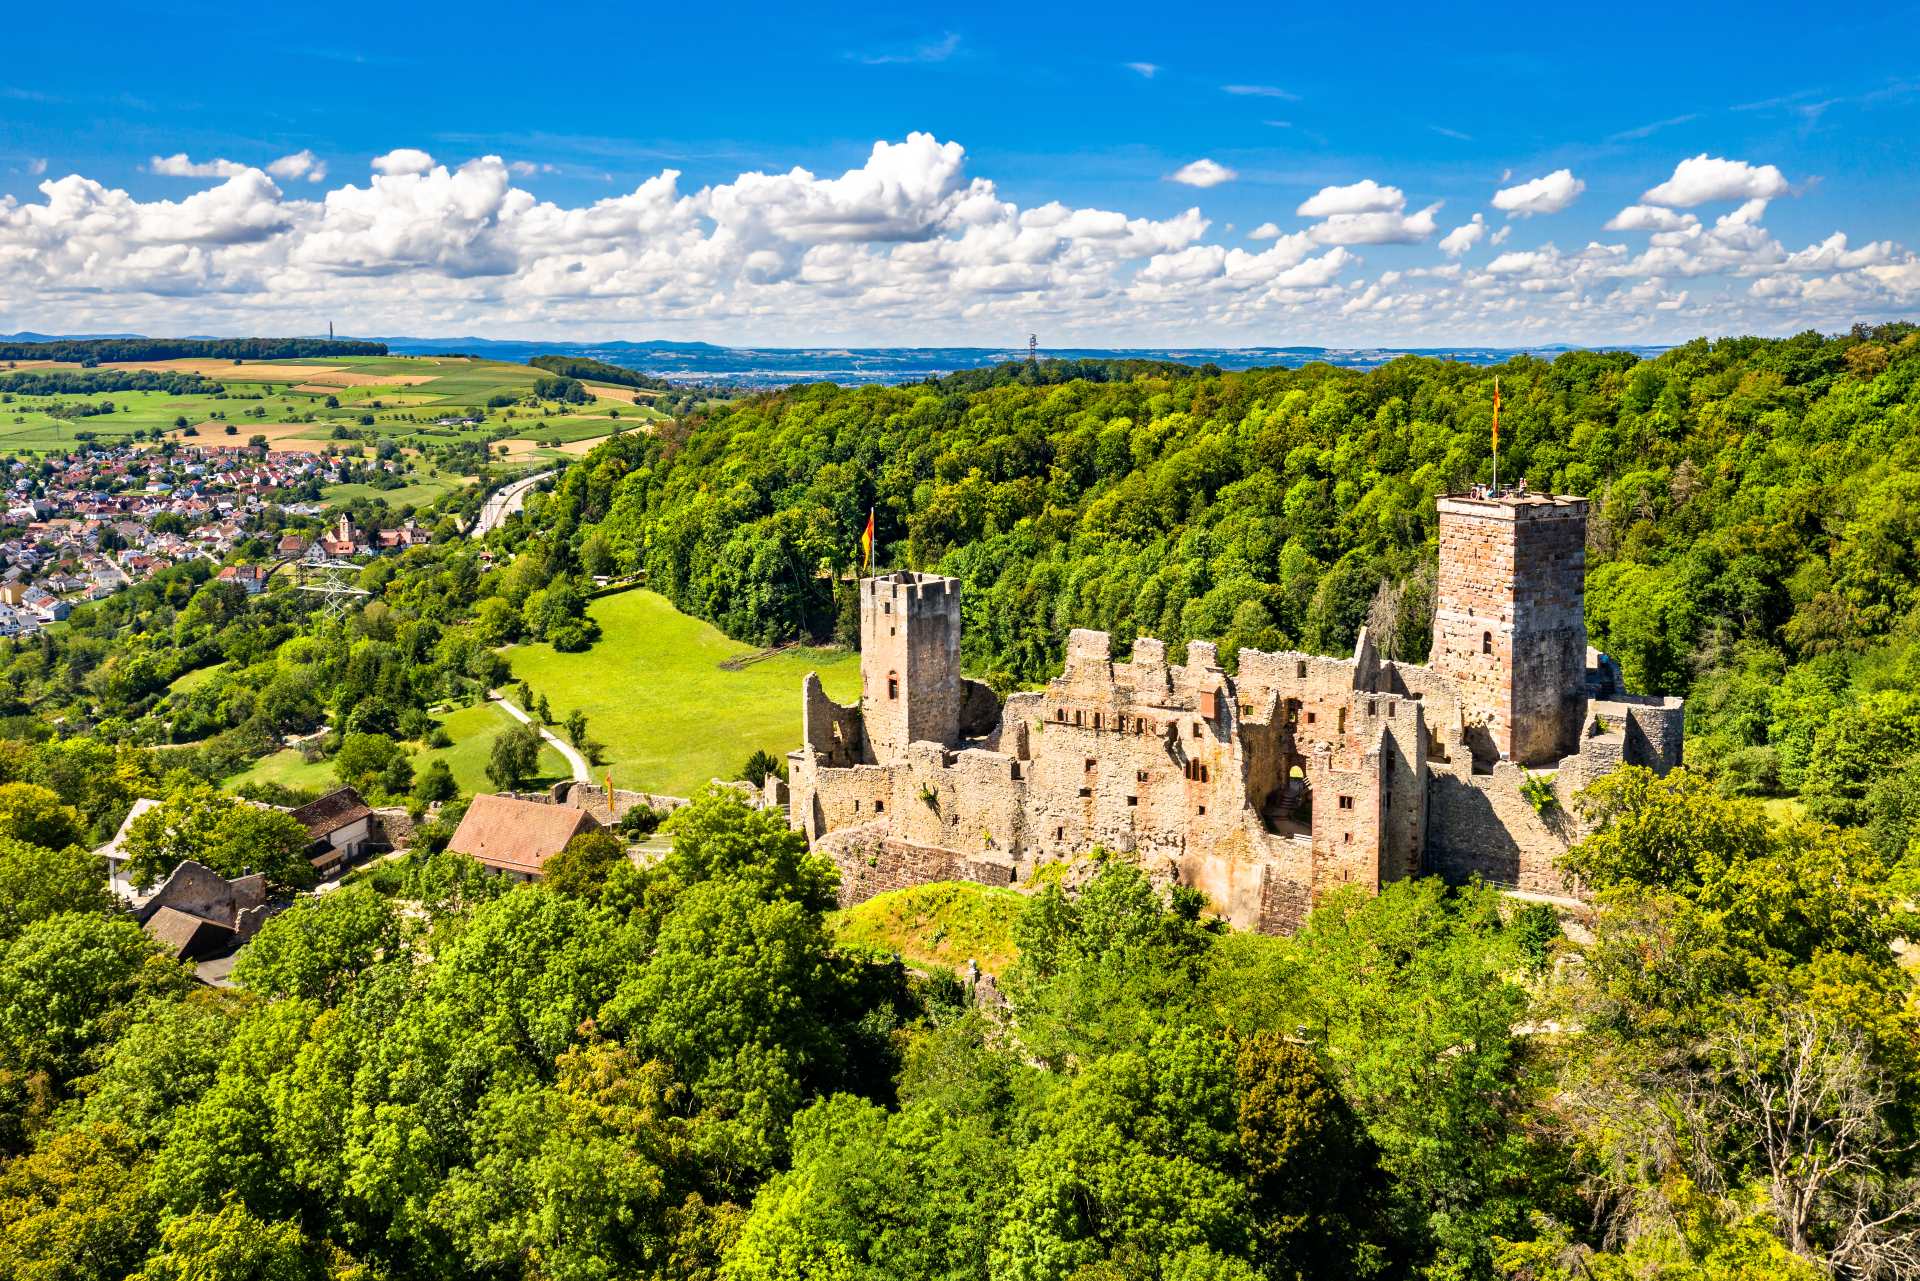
column 1043, row 169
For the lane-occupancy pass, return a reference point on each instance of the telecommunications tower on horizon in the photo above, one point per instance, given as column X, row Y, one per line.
column 1033, row 349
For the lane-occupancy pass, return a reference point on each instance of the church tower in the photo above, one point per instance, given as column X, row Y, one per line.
column 910, row 689
column 1509, row 624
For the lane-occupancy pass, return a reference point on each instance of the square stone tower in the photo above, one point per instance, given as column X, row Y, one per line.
column 910, row 689
column 1509, row 625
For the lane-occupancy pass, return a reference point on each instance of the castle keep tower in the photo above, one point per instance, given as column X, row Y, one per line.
column 1510, row 625
column 910, row 688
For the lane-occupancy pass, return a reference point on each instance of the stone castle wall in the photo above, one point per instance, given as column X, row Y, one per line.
column 1264, row 788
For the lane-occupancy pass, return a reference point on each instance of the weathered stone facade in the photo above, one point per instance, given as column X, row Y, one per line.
column 1262, row 788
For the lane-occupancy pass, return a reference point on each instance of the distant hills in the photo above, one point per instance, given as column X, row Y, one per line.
column 778, row 366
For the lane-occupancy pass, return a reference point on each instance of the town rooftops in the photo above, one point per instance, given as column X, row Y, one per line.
column 512, row 835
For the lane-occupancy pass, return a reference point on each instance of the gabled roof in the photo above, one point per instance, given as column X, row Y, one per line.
column 335, row 810
column 516, row 835
column 187, row 936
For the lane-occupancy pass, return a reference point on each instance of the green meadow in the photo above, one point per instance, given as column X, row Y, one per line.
column 655, row 693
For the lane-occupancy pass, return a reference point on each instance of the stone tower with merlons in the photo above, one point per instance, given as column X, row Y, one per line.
column 910, row 687
column 1509, row 623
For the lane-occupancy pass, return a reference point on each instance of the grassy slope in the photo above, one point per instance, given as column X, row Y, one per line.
column 656, row 696
column 472, row 729
column 945, row 924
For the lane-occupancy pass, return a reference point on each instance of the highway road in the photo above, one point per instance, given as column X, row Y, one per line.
column 504, row 502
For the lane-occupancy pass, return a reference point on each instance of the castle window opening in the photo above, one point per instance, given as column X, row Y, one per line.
column 1312, row 717
column 1390, row 711
column 1133, row 800
column 1139, row 776
column 1092, row 764
column 1059, row 834
column 1016, row 771
column 1196, row 729
column 1486, row 642
column 1300, row 670
column 1346, row 838
column 1120, row 723
column 893, row 685
column 1373, row 707
column 1343, row 720
column 1346, row 802
column 1079, row 717
column 1096, row 720
column 1085, row 792
column 1060, row 714
column 887, row 608
column 1203, row 809
column 879, row 807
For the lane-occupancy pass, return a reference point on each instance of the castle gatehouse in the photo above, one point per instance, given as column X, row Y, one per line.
column 1263, row 788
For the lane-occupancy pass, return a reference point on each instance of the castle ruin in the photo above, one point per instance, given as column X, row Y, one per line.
column 1262, row 788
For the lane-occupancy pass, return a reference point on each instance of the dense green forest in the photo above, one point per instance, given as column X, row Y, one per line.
column 599, row 371
column 90, row 351
column 1754, row 541
column 674, row 1072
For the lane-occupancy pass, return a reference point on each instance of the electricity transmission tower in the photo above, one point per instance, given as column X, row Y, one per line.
column 334, row 582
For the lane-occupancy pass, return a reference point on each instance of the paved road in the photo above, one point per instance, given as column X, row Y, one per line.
column 505, row 502
column 581, row 773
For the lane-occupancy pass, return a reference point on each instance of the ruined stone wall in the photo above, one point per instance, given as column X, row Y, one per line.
column 834, row 733
column 1347, row 820
column 1481, row 825
column 1656, row 729
column 910, row 688
column 871, row 861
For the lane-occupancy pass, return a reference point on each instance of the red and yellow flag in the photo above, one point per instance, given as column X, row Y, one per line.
column 1496, row 414
column 866, row 543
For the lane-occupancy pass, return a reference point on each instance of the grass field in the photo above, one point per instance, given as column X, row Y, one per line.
column 289, row 769
column 421, row 491
column 945, row 924
column 656, row 696
column 472, row 729
column 187, row 682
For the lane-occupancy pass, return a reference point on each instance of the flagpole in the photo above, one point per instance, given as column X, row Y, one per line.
column 1496, row 435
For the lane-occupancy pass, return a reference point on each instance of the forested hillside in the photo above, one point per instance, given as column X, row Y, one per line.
column 1754, row 542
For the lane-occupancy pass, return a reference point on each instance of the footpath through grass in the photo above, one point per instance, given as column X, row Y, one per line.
column 655, row 695
column 945, row 924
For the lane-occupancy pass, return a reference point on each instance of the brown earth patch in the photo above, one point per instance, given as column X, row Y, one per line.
column 258, row 371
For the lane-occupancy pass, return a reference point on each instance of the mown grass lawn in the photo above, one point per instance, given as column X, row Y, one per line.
column 473, row 730
column 289, row 769
column 945, row 924
column 655, row 695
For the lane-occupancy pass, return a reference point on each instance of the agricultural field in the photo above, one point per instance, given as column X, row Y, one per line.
column 657, row 695
column 299, row 404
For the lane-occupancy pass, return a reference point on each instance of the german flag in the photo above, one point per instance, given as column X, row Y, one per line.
column 866, row 543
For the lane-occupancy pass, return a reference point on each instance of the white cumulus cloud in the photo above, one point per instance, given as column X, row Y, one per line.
column 403, row 160
column 1365, row 196
column 1546, row 195
column 1704, row 178
column 1650, row 218
column 1464, row 237
column 1202, row 173
column 1366, row 213
column 301, row 164
column 179, row 166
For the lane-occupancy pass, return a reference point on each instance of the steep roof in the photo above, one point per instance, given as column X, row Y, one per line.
column 516, row 835
column 335, row 810
column 187, row 936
